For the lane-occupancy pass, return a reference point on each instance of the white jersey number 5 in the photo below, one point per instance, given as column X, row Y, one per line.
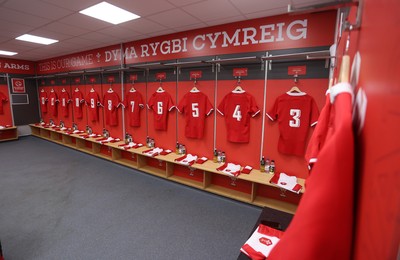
column 195, row 110
column 237, row 113
column 295, row 113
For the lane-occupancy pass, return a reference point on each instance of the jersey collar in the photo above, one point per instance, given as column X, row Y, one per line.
column 296, row 94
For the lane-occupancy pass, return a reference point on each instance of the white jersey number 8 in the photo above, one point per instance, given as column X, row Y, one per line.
column 295, row 113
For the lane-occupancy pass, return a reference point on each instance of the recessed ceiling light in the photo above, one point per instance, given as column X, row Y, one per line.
column 8, row 53
column 36, row 39
column 109, row 13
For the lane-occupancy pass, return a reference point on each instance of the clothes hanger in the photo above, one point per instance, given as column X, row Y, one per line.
column 238, row 88
column 295, row 88
column 42, row 90
column 194, row 89
column 63, row 90
column 76, row 89
column 92, row 89
column 132, row 88
column 52, row 90
column 160, row 89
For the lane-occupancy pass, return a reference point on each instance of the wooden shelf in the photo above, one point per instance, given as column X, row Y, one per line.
column 126, row 162
column 8, row 134
column 237, row 195
column 275, row 204
column 248, row 187
column 154, row 171
column 186, row 181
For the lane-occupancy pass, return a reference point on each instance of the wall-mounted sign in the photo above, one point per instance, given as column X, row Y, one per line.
column 18, row 85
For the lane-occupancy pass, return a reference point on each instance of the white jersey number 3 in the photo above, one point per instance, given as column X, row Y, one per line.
column 295, row 113
column 237, row 113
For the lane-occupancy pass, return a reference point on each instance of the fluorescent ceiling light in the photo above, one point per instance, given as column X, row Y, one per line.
column 36, row 39
column 109, row 13
column 8, row 53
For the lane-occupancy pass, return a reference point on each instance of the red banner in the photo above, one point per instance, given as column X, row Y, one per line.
column 18, row 85
column 17, row 66
column 104, row 57
column 270, row 33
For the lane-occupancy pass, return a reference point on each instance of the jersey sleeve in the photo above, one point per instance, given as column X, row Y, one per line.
column 3, row 97
column 170, row 104
column 87, row 99
column 150, row 104
column 117, row 101
column 254, row 110
column 124, row 102
column 140, row 100
column 182, row 105
column 314, row 113
column 273, row 113
column 209, row 107
column 221, row 107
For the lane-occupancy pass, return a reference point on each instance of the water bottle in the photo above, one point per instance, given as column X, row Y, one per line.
column 267, row 164
column 215, row 157
column 262, row 164
column 272, row 167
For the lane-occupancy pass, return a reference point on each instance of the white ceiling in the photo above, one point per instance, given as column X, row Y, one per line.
column 61, row 20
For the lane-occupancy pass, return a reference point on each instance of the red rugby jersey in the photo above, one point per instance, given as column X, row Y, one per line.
column 43, row 101
column 133, row 102
column 238, row 107
column 53, row 100
column 92, row 101
column 77, row 101
column 195, row 105
column 111, row 103
column 295, row 113
column 3, row 99
column 161, row 103
column 64, row 102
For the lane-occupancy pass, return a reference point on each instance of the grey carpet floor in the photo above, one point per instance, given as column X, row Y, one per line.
column 58, row 203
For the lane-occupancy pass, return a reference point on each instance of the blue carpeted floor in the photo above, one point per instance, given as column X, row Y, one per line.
column 58, row 203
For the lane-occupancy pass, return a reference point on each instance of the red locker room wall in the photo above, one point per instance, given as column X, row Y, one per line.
column 164, row 139
column 290, row 164
column 377, row 223
column 204, row 146
column 6, row 117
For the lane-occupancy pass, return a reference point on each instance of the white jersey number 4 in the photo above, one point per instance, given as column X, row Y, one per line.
column 295, row 113
column 237, row 113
